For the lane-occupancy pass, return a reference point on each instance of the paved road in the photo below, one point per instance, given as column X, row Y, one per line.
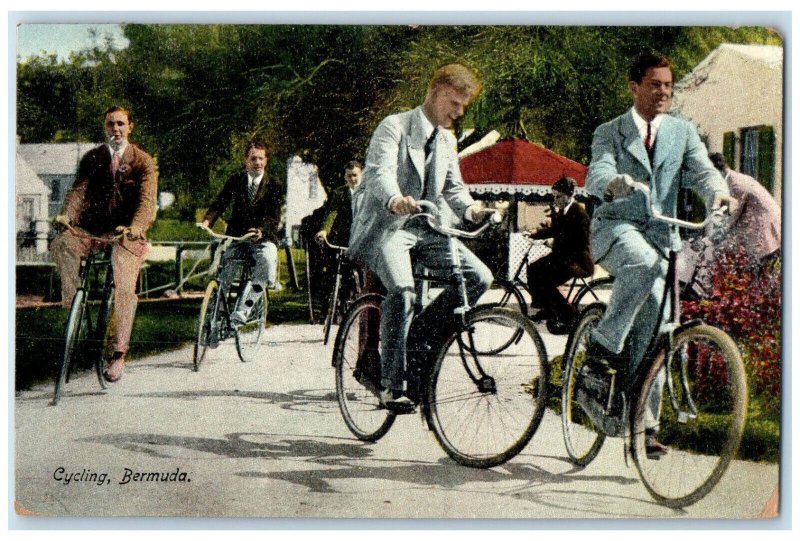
column 265, row 439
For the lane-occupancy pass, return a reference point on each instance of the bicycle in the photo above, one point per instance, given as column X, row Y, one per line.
column 482, row 408
column 214, row 324
column 346, row 276
column 704, row 381
column 509, row 293
column 82, row 332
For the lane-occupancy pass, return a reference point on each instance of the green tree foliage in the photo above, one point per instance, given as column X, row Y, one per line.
column 199, row 92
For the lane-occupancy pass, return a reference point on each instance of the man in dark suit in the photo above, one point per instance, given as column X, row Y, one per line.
column 339, row 215
column 114, row 192
column 257, row 204
column 570, row 257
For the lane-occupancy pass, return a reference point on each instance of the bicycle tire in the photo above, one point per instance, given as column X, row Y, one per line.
column 360, row 406
column 248, row 336
column 100, row 337
column 208, row 311
column 484, row 415
column 503, row 294
column 72, row 331
column 333, row 306
column 706, row 388
column 596, row 290
column 582, row 440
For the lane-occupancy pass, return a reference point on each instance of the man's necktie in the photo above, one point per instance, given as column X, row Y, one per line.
column 252, row 189
column 429, row 144
column 430, row 141
column 115, row 160
column 648, row 142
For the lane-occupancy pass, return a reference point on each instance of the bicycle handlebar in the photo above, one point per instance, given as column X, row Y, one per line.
column 720, row 211
column 83, row 234
column 333, row 246
column 246, row 236
column 433, row 214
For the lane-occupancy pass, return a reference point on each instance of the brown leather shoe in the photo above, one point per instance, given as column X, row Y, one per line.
column 115, row 367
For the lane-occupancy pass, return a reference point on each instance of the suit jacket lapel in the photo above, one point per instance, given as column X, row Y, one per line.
column 633, row 141
column 416, row 145
column 664, row 141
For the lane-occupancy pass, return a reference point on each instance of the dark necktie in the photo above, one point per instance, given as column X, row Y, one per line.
column 430, row 141
column 648, row 142
column 252, row 189
column 428, row 150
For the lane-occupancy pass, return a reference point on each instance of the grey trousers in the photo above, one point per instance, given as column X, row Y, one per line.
column 392, row 263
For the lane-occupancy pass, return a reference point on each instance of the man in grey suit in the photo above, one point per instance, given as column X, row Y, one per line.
column 643, row 151
column 412, row 156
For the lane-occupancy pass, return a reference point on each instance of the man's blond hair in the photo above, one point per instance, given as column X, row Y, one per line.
column 457, row 76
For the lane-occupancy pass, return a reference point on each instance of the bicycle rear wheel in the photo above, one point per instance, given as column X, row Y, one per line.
column 503, row 294
column 702, row 414
column 357, row 361
column 597, row 290
column 73, row 332
column 484, row 407
column 205, row 323
column 582, row 440
column 248, row 335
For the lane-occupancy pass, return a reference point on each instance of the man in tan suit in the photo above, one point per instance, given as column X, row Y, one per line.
column 114, row 192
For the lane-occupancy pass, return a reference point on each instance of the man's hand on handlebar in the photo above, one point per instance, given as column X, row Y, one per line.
column 480, row 214
column 721, row 200
column 321, row 236
column 256, row 233
column 63, row 219
column 402, row 205
column 622, row 186
column 133, row 232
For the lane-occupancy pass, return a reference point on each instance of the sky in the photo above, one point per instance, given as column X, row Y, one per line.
column 62, row 39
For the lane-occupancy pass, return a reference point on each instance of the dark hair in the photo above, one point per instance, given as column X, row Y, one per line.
column 352, row 165
column 118, row 109
column 719, row 161
column 644, row 62
column 256, row 143
column 565, row 185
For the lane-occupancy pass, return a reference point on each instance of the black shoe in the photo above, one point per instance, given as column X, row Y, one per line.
column 539, row 315
column 654, row 449
column 396, row 402
column 558, row 326
column 600, row 359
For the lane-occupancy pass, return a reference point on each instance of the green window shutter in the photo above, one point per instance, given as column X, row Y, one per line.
column 728, row 146
column 766, row 157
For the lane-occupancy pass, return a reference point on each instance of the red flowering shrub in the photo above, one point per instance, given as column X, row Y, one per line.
column 745, row 300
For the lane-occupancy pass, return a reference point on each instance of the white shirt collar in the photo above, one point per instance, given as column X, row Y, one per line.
column 254, row 178
column 641, row 124
column 565, row 209
column 427, row 126
column 121, row 150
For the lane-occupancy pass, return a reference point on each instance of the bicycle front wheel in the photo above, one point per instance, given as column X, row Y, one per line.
column 582, row 440
column 205, row 323
column 248, row 336
column 356, row 357
column 72, row 334
column 484, row 407
column 102, row 333
column 698, row 392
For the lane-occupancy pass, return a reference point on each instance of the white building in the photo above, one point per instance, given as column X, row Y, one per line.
column 735, row 97
column 56, row 164
column 32, row 201
column 304, row 194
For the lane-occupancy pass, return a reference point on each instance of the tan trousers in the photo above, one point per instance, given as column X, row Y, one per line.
column 126, row 260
